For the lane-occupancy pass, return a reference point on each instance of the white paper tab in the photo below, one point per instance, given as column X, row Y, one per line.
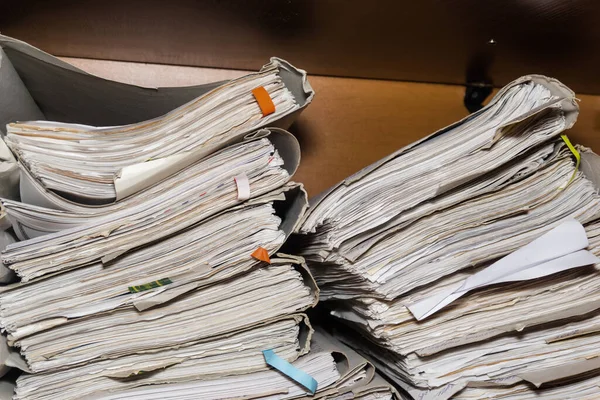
column 558, row 250
column 243, row 186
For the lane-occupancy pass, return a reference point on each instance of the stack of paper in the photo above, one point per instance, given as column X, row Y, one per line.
column 584, row 389
column 184, row 299
column 189, row 302
column 148, row 265
column 82, row 162
column 97, row 165
column 31, row 221
column 340, row 373
column 358, row 211
column 473, row 342
column 405, row 250
column 140, row 123
column 205, row 189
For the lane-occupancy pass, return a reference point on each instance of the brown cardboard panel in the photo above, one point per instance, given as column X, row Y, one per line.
column 351, row 122
column 449, row 41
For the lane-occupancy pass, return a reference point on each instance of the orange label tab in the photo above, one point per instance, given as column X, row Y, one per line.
column 261, row 254
column 264, row 101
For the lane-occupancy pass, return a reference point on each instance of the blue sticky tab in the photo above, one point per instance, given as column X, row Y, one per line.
column 288, row 369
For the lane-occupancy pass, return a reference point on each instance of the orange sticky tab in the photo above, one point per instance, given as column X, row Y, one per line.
column 262, row 255
column 264, row 101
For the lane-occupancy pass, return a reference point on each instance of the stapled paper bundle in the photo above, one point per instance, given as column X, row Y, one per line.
column 466, row 260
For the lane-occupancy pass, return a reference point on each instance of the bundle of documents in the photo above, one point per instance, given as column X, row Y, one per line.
column 467, row 259
column 194, row 302
column 82, row 162
column 148, row 264
column 156, row 132
column 200, row 191
column 584, row 389
column 473, row 342
column 339, row 372
column 205, row 333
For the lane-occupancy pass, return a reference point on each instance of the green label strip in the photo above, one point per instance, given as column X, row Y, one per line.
column 148, row 286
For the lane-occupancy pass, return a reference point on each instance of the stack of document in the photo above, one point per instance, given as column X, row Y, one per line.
column 188, row 293
column 148, row 264
column 359, row 211
column 584, row 389
column 79, row 160
column 339, row 371
column 188, row 296
column 475, row 341
column 31, row 221
column 96, row 165
column 440, row 254
column 199, row 335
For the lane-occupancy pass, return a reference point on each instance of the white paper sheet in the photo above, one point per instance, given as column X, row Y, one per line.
column 558, row 250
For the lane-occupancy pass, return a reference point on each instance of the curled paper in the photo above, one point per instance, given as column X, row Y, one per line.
column 289, row 370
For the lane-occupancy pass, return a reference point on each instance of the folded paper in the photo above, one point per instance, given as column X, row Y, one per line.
column 557, row 250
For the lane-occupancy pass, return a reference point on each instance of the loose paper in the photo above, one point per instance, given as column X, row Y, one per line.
column 558, row 250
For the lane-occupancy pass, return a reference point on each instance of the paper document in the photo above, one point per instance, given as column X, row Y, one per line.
column 469, row 259
column 79, row 161
column 148, row 265
column 560, row 249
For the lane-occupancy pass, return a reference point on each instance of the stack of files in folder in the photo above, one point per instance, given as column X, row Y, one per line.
column 348, row 219
column 210, row 252
column 223, row 373
column 189, row 197
column 187, row 304
column 205, row 334
column 474, row 342
column 259, row 157
column 183, row 300
column 97, row 165
column 499, row 199
column 148, row 263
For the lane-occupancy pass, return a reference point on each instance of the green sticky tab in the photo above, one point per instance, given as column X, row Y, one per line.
column 148, row 286
column 577, row 159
